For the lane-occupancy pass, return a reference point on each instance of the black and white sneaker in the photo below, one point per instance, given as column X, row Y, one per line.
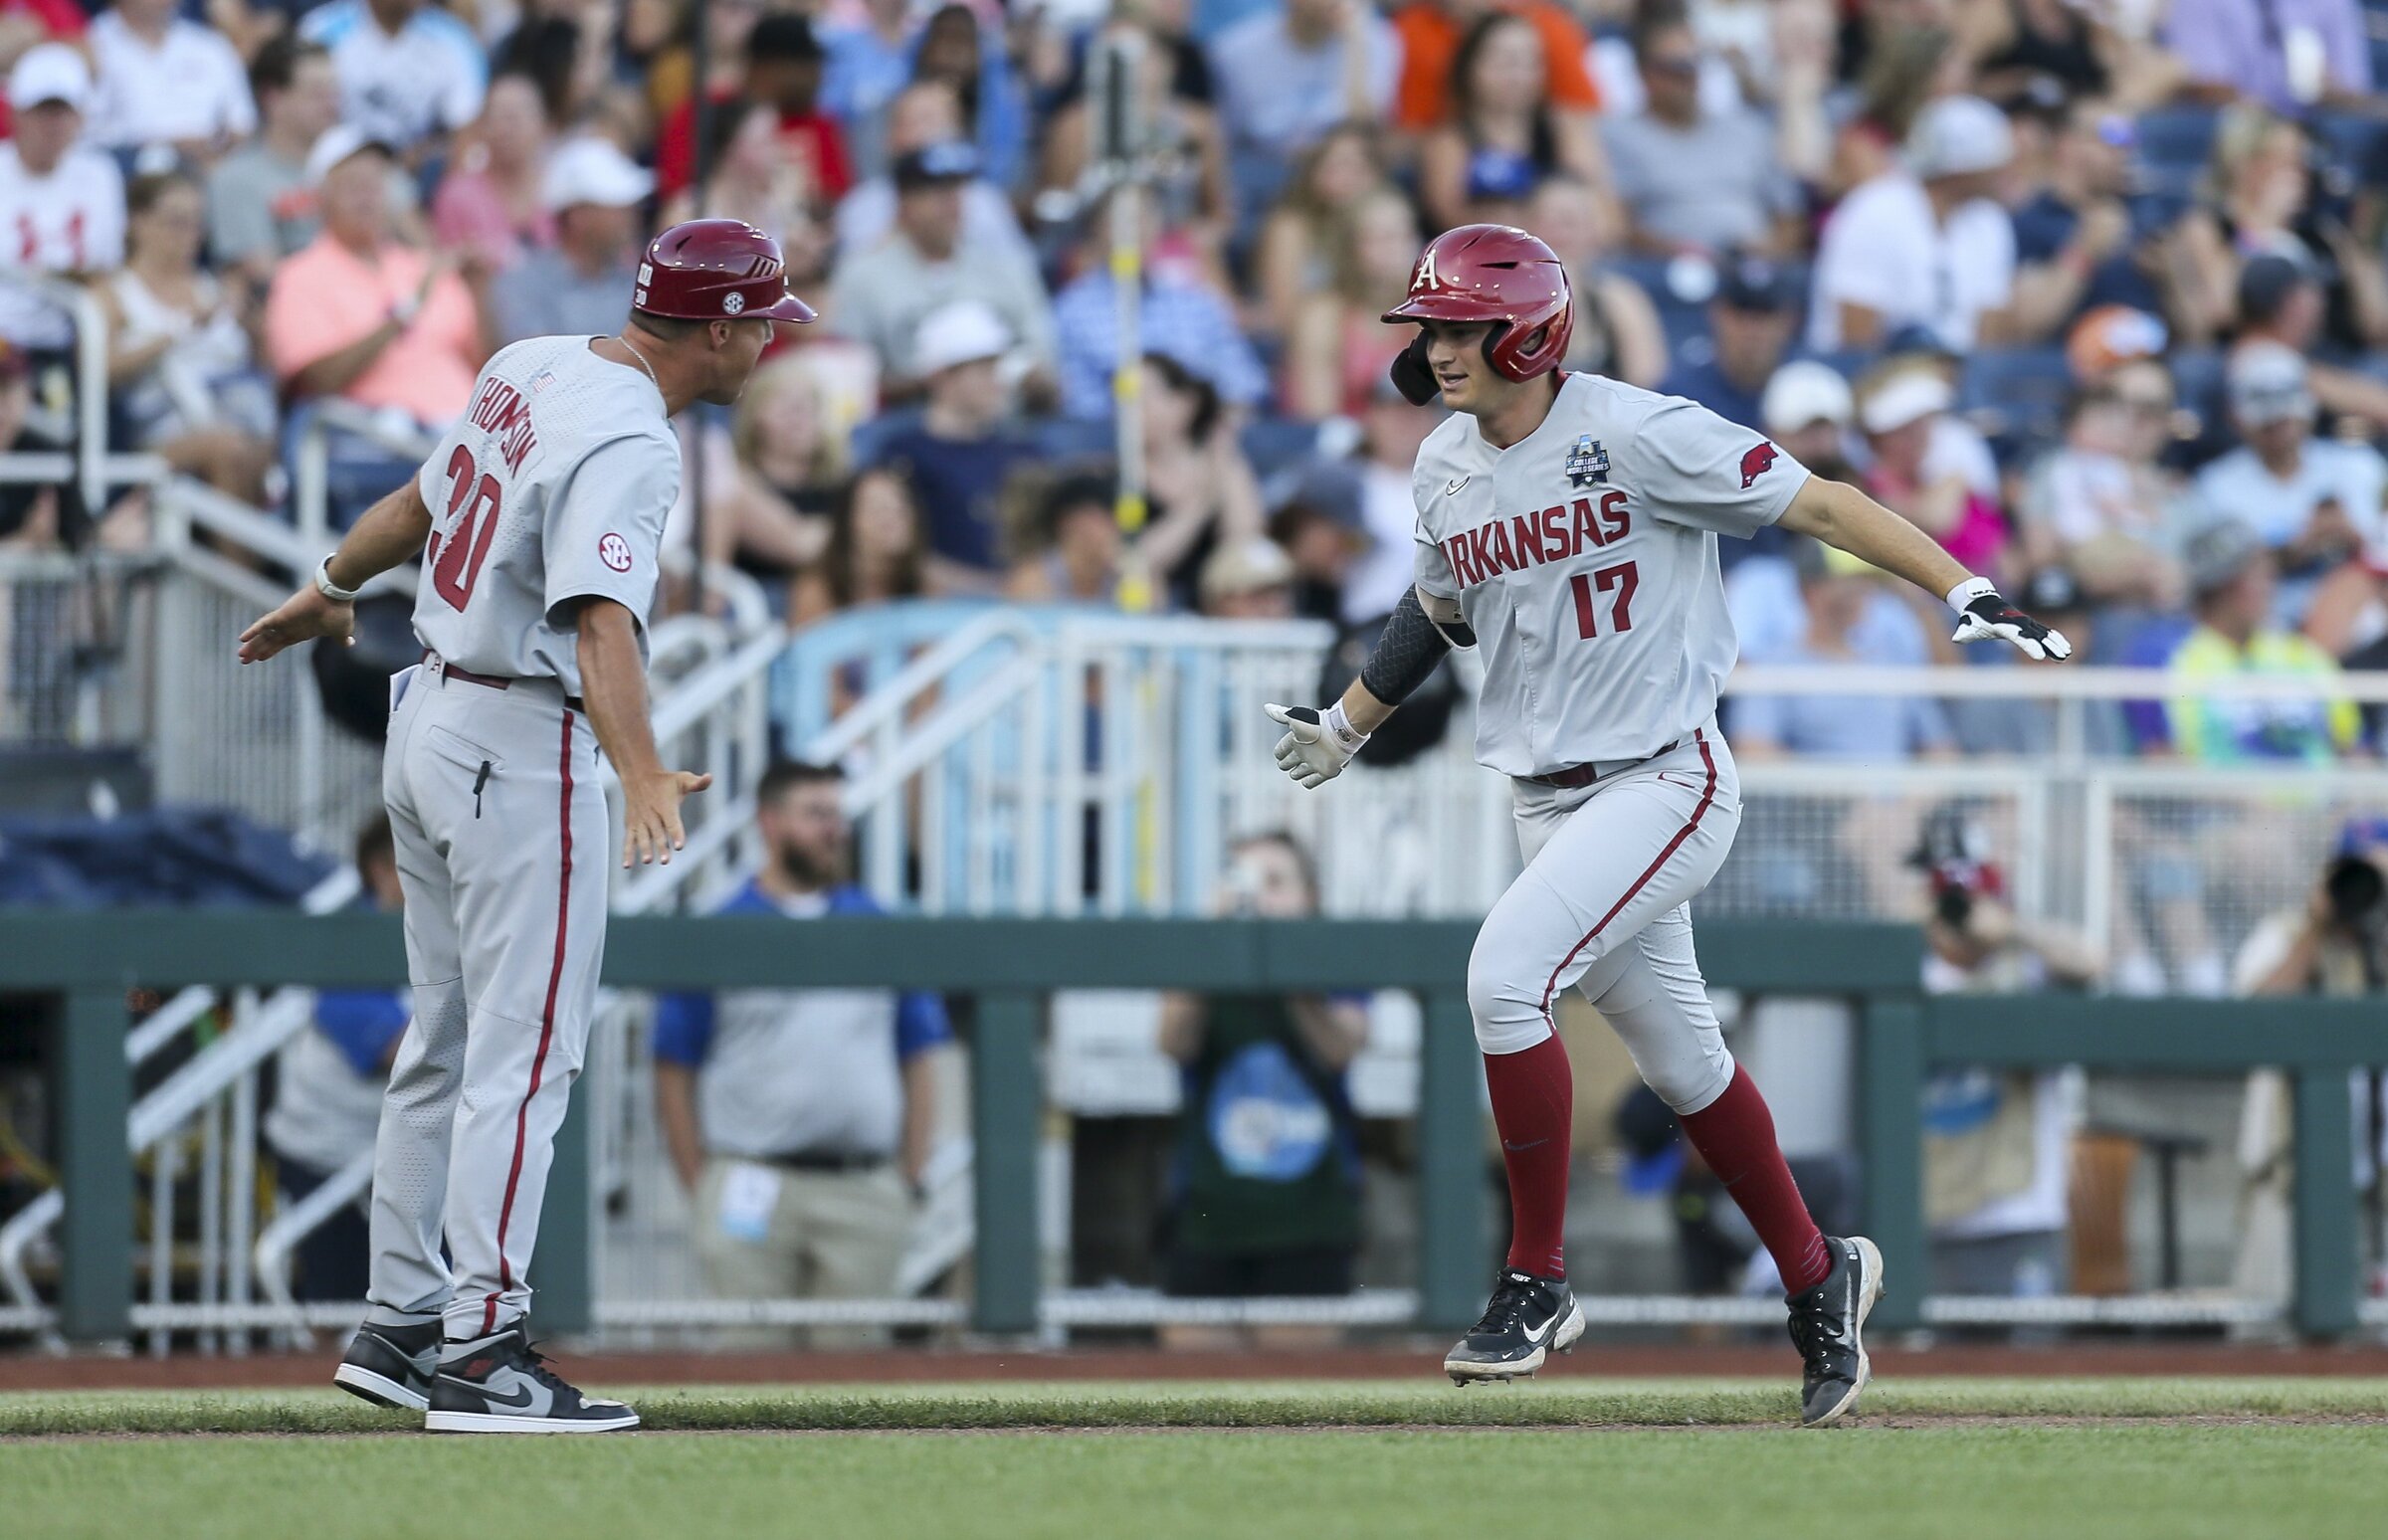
column 1828, row 1326
column 498, row 1384
column 391, row 1366
column 1528, row 1319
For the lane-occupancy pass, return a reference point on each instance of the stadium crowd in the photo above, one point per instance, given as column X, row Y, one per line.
column 2095, row 293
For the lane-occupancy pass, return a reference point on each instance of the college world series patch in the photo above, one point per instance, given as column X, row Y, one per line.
column 1587, row 463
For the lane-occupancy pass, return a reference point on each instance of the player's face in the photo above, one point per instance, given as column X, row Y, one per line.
column 1455, row 351
column 735, row 358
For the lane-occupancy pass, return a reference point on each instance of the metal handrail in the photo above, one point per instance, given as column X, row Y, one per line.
column 91, row 372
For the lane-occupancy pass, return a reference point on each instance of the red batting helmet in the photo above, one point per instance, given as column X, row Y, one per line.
column 1499, row 274
column 716, row 269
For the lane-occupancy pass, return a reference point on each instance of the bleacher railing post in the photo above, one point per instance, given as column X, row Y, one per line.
column 94, row 1297
column 2327, row 1274
column 1006, row 1104
column 1891, row 1144
column 1452, row 1193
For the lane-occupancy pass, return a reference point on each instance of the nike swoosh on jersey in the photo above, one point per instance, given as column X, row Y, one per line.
column 1454, row 487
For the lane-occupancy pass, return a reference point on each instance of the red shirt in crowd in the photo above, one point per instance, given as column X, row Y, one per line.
column 807, row 138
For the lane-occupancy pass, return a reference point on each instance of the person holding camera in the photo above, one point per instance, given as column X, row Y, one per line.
column 2335, row 945
column 1997, row 1146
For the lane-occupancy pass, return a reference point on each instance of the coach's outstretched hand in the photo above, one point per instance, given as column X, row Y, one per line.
column 1316, row 746
column 1991, row 616
column 651, row 827
column 302, row 617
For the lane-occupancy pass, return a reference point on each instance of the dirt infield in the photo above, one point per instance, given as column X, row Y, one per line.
column 28, row 1372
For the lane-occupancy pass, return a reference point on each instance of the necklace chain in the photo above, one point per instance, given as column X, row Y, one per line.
column 631, row 348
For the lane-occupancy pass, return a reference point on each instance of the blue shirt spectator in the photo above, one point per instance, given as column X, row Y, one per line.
column 1182, row 320
column 869, row 60
column 2262, row 48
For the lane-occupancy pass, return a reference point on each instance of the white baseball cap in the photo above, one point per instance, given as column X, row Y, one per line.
column 1805, row 393
column 1904, row 398
column 50, row 72
column 2266, row 385
column 1959, row 136
column 1245, row 566
column 964, row 331
column 590, row 170
column 335, row 145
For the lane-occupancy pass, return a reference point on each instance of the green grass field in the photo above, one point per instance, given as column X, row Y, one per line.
column 2116, row 1459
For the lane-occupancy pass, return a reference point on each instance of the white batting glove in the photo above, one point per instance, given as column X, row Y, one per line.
column 1315, row 747
column 1984, row 613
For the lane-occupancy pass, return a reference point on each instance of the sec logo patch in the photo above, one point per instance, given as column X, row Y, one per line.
column 613, row 551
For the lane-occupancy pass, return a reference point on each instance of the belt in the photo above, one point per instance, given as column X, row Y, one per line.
column 486, row 680
column 1584, row 775
column 827, row 1160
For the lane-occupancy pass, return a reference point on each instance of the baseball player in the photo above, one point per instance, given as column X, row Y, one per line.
column 539, row 520
column 1567, row 527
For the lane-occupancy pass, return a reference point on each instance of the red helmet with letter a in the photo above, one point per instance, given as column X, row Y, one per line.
column 1497, row 274
column 716, row 269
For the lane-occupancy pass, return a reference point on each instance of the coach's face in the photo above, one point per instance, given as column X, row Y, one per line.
column 1455, row 352
column 805, row 830
column 737, row 347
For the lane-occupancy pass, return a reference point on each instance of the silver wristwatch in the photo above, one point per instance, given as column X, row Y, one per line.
column 327, row 588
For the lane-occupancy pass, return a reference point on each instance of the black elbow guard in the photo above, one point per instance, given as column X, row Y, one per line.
column 1409, row 650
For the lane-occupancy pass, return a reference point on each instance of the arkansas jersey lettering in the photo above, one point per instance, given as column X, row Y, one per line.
column 1557, row 533
column 1757, row 463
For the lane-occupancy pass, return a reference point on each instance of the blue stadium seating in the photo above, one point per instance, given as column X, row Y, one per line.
column 2016, row 392
column 2174, row 143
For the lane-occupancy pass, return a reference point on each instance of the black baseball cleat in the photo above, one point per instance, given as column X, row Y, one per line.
column 1828, row 1326
column 391, row 1366
column 1528, row 1319
column 499, row 1384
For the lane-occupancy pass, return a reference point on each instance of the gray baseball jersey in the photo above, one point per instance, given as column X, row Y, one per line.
column 1584, row 557
column 516, row 531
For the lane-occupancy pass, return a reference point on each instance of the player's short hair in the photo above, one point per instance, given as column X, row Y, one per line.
column 785, row 775
column 670, row 327
column 376, row 842
column 277, row 64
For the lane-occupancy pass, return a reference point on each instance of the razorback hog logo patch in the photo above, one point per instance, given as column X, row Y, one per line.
column 1757, row 463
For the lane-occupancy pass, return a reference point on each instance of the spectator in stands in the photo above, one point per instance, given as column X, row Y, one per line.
column 753, row 177
column 1899, row 407
column 660, row 38
column 2280, row 299
column 876, row 551
column 961, row 451
column 411, row 74
column 2026, row 727
column 25, row 23
column 178, row 357
column 1189, row 176
column 1751, row 321
column 166, row 81
column 878, row 296
column 1312, row 222
column 327, row 1098
column 2260, row 199
column 62, row 199
column 800, row 1122
column 1848, row 624
column 260, row 205
column 2100, row 503
column 1741, row 196
column 1070, row 551
column 1350, row 525
column 2075, row 245
column 955, row 48
column 592, row 194
column 568, row 49
column 1340, row 347
column 925, row 113
column 1500, row 104
column 489, row 209
column 1184, row 318
column 1901, row 66
column 2314, row 502
column 1247, row 579
column 1808, row 409
column 1926, row 243
column 33, row 514
column 2232, row 578
column 1286, row 77
column 1265, row 1187
column 1997, row 1146
column 1617, row 330
column 1431, row 33
column 782, row 70
column 2290, row 55
column 359, row 316
column 869, row 60
column 772, row 480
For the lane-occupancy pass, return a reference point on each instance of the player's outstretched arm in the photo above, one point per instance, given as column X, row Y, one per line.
column 613, row 683
column 390, row 532
column 1844, row 517
column 1318, row 744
